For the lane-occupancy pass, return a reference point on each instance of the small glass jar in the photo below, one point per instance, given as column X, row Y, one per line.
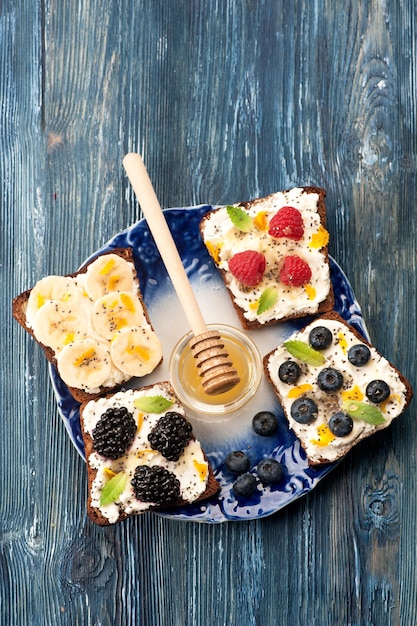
column 186, row 380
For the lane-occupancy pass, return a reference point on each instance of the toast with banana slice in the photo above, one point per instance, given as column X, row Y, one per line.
column 93, row 325
column 141, row 454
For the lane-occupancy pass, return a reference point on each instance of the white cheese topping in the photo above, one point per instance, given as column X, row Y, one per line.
column 191, row 469
column 227, row 240
column 316, row 437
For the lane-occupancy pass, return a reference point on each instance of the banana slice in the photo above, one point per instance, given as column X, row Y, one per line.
column 84, row 364
column 109, row 273
column 58, row 288
column 57, row 324
column 115, row 311
column 136, row 351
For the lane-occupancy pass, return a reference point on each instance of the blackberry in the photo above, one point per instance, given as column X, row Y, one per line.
column 170, row 435
column 155, row 484
column 304, row 410
column 330, row 380
column 289, row 372
column 114, row 432
column 359, row 354
column 320, row 338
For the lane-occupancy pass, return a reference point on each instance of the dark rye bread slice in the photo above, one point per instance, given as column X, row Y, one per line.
column 324, row 306
column 94, row 513
column 314, row 457
column 19, row 305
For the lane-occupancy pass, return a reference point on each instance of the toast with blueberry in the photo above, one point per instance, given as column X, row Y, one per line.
column 335, row 388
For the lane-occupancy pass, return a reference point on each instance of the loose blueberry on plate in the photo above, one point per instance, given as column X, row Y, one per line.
column 377, row 391
column 269, row 471
column 289, row 372
column 359, row 354
column 304, row 410
column 320, row 338
column 330, row 380
column 245, row 485
column 265, row 423
column 237, row 462
column 340, row 424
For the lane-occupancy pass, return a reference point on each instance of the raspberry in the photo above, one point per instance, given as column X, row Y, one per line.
column 248, row 267
column 295, row 272
column 287, row 222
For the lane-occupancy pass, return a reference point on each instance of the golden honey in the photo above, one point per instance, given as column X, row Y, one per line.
column 240, row 357
column 185, row 378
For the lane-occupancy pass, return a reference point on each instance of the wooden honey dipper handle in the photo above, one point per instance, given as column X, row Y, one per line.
column 158, row 226
column 220, row 376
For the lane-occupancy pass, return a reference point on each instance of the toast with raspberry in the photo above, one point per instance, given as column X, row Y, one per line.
column 272, row 254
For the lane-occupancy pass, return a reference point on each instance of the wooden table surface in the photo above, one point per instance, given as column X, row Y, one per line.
column 227, row 101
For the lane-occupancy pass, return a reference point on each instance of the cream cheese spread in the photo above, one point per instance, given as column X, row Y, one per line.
column 225, row 240
column 191, row 469
column 316, row 438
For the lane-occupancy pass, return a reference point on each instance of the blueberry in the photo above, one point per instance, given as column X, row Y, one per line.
column 330, row 380
column 264, row 423
column 245, row 485
column 377, row 391
column 237, row 462
column 289, row 372
column 359, row 354
column 320, row 338
column 304, row 410
column 269, row 471
column 341, row 424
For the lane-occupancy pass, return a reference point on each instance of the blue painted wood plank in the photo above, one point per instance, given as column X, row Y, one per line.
column 226, row 101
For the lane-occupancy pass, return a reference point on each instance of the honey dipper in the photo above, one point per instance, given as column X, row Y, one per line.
column 216, row 368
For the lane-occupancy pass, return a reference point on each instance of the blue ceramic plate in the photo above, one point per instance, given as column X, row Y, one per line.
column 218, row 438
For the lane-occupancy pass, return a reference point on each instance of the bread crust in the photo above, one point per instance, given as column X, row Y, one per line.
column 324, row 306
column 19, row 305
column 94, row 514
column 333, row 315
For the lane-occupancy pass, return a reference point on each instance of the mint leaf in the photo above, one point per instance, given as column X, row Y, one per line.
column 267, row 300
column 240, row 218
column 152, row 404
column 113, row 488
column 305, row 353
column 362, row 411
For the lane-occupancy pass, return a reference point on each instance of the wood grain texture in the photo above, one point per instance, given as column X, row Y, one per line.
column 226, row 101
